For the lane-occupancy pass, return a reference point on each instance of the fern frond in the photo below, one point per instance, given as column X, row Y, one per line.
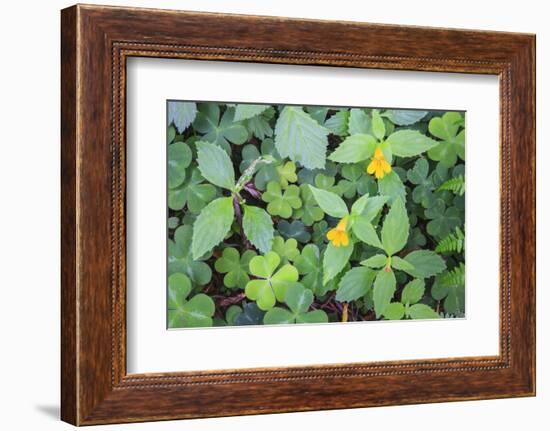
column 456, row 185
column 453, row 278
column 452, row 243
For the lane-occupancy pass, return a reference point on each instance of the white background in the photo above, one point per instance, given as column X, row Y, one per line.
column 151, row 348
column 29, row 220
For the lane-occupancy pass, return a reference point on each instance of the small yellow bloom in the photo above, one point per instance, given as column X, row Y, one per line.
column 338, row 235
column 378, row 165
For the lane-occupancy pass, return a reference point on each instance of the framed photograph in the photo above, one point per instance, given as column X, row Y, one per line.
column 283, row 215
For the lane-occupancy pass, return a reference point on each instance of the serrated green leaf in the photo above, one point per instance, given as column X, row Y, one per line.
column 409, row 143
column 422, row 311
column 383, row 291
column 330, row 203
column 334, row 260
column 378, row 127
column 212, row 225
column 401, row 264
column 404, row 117
column 258, row 228
column 413, row 292
column 355, row 284
column 394, row 311
column 300, row 138
column 215, row 165
column 338, row 123
column 376, row 261
column 426, row 263
column 182, row 114
column 246, row 111
column 364, row 230
column 353, row 149
column 395, row 229
column 359, row 122
column 392, row 186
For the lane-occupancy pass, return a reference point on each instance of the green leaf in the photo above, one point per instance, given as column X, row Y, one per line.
column 338, row 123
column 355, row 181
column 442, row 220
column 182, row 114
column 449, row 285
column 308, row 264
column 364, row 230
column 264, row 266
column 401, row 264
column 215, row 165
column 219, row 132
column 296, row 230
column 423, row 192
column 409, row 143
column 179, row 288
column 376, row 261
column 315, row 316
column 282, row 279
column 404, row 117
column 452, row 243
column 265, row 172
column 369, row 207
column 426, row 263
column 310, row 212
column 280, row 203
column 212, row 225
column 452, row 142
column 391, row 186
column 413, row 292
column 394, row 311
column 287, row 250
column 235, row 267
column 395, row 229
column 287, row 173
column 231, row 314
column 196, row 312
column 300, row 138
column 192, row 193
column 355, row 284
column 330, row 203
column 251, row 315
column 246, row 111
column 298, row 298
column 378, row 127
column 334, row 260
column 383, row 291
column 422, row 311
column 258, row 228
column 278, row 316
column 179, row 158
column 359, row 122
column 180, row 260
column 455, row 184
column 353, row 149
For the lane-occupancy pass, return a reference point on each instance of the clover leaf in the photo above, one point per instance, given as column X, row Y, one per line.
column 192, row 193
column 183, row 312
column 251, row 315
column 451, row 146
column 259, row 125
column 179, row 158
column 443, row 220
column 409, row 306
column 296, row 230
column 235, row 267
column 281, row 203
column 418, row 175
column 270, row 285
column 325, row 182
column 180, row 259
column 218, row 131
column 310, row 212
column 299, row 300
column 287, row 174
column 266, row 172
column 356, row 182
column 287, row 250
column 319, row 233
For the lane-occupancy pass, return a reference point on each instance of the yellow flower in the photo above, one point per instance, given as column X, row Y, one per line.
column 338, row 235
column 378, row 165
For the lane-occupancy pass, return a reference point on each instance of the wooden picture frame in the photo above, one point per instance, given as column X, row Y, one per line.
column 96, row 41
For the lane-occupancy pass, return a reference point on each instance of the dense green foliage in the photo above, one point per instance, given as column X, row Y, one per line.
column 288, row 214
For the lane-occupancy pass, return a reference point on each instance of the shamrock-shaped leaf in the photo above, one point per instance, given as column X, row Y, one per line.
column 307, row 176
column 300, row 138
column 181, row 114
column 184, row 312
column 179, row 158
column 443, row 220
column 251, row 315
column 192, row 193
column 320, row 233
column 270, row 285
column 231, row 314
column 180, row 260
column 418, row 175
column 310, row 212
column 281, row 203
column 296, row 230
column 287, row 174
column 356, row 182
column 451, row 146
column 308, row 264
column 265, row 172
column 259, row 125
column 219, row 132
column 287, row 250
column 327, row 183
column 235, row 267
column 298, row 299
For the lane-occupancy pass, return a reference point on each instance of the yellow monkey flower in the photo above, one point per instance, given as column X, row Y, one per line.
column 378, row 165
column 338, row 236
